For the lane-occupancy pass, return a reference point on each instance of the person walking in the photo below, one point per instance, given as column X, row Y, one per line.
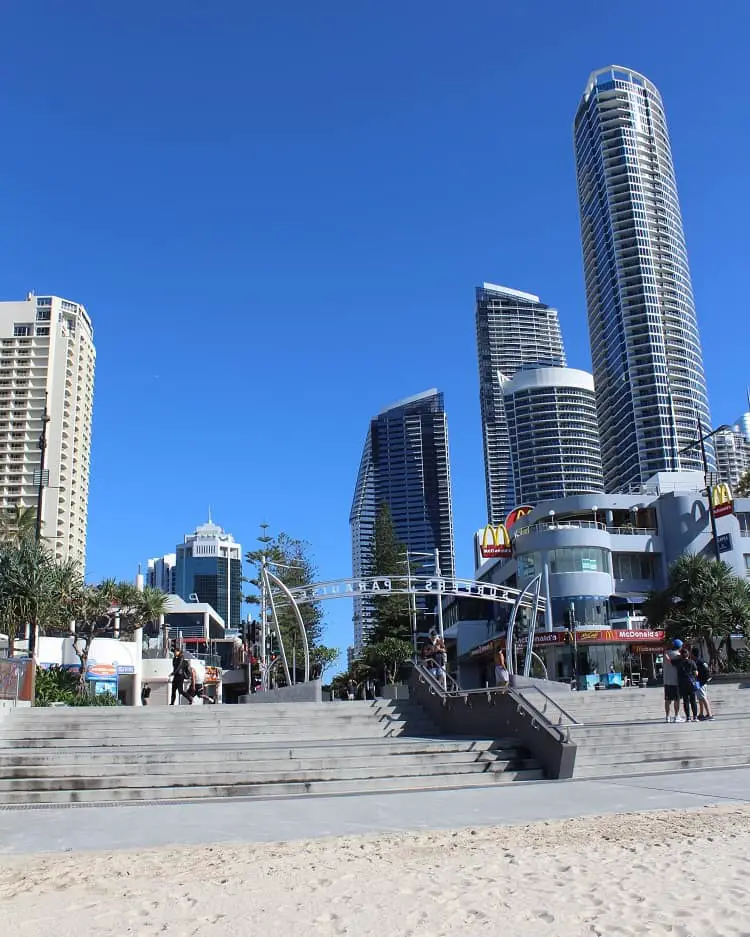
column 181, row 672
column 687, row 682
column 502, row 677
column 701, row 692
column 351, row 689
column 671, row 681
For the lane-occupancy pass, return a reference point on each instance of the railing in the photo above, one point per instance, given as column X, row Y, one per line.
column 549, row 709
column 16, row 679
column 554, row 525
column 586, row 525
column 546, row 711
column 432, row 677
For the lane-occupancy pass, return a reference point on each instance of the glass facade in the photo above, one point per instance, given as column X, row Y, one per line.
column 514, row 330
column 209, row 566
column 645, row 346
column 405, row 464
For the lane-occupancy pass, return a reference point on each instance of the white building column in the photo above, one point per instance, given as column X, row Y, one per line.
column 138, row 657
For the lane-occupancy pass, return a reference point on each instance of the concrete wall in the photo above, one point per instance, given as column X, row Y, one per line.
column 310, row 692
column 497, row 715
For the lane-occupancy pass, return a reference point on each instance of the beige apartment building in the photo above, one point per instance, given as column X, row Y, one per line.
column 47, row 370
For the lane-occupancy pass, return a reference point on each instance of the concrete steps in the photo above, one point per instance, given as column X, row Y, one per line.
column 624, row 732
column 64, row 756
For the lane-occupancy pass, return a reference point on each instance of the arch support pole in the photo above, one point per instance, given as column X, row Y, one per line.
column 297, row 614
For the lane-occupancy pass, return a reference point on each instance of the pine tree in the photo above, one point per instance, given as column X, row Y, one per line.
column 289, row 559
column 391, row 618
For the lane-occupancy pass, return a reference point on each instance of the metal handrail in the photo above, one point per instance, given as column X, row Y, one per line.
column 562, row 713
column 537, row 715
column 430, row 675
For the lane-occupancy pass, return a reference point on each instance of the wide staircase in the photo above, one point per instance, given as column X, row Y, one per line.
column 97, row 755
column 624, row 732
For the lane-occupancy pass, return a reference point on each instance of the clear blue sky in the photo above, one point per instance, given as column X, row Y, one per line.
column 276, row 213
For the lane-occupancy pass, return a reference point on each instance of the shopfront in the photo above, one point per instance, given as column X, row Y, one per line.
column 634, row 655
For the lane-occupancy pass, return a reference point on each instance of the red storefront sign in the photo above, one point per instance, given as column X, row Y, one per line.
column 601, row 636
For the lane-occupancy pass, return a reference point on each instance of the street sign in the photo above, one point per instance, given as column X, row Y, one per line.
column 724, row 543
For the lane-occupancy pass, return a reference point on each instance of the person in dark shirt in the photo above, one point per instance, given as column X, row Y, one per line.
column 687, row 682
column 181, row 672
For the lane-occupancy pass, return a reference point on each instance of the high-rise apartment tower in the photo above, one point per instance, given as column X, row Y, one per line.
column 46, row 399
column 405, row 464
column 645, row 348
column 554, row 439
column 514, row 330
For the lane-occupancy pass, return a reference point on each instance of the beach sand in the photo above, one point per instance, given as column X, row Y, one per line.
column 679, row 873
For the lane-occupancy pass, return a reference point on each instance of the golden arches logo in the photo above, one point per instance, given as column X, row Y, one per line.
column 516, row 514
column 721, row 500
column 495, row 541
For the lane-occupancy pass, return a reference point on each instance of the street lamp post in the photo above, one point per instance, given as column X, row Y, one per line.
column 701, row 441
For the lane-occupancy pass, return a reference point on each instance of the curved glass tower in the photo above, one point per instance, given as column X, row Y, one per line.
column 514, row 331
column 645, row 347
column 554, row 439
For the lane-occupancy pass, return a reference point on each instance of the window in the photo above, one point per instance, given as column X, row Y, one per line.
column 632, row 565
column 43, row 315
column 743, row 519
column 578, row 560
column 42, row 330
column 21, row 329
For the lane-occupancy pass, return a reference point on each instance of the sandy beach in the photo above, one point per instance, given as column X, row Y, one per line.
column 680, row 873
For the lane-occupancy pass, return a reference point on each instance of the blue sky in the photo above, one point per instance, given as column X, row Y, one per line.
column 276, row 214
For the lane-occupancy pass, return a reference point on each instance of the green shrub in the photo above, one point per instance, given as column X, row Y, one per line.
column 58, row 685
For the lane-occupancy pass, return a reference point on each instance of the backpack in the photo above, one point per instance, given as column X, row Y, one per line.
column 704, row 674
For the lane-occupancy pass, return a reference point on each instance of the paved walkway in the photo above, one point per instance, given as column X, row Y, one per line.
column 231, row 821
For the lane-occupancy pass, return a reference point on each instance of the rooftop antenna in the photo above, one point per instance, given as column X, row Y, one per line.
column 209, row 515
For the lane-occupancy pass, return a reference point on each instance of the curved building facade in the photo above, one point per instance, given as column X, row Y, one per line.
column 553, row 433
column 645, row 347
column 514, row 330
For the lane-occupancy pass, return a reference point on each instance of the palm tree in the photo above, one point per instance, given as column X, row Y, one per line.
column 703, row 601
column 34, row 582
column 109, row 609
column 17, row 524
column 9, row 612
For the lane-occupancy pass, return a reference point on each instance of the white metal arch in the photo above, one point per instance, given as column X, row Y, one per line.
column 276, row 592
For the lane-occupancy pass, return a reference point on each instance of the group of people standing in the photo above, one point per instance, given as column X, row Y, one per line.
column 686, row 678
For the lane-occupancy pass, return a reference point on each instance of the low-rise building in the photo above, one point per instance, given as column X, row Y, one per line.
column 599, row 555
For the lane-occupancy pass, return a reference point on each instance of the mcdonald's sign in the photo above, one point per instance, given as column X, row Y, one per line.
column 495, row 542
column 721, row 500
column 516, row 514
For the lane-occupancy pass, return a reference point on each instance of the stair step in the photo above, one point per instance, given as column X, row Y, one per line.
column 265, row 790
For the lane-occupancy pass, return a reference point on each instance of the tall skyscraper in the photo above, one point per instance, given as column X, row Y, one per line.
column 405, row 464
column 645, row 347
column 732, row 455
column 46, row 394
column 209, row 569
column 514, row 330
column 554, row 439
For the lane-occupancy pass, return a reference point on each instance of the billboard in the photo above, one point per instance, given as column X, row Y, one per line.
column 494, row 540
column 721, row 500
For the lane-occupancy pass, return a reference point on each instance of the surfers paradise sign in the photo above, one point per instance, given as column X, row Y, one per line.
column 406, row 585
